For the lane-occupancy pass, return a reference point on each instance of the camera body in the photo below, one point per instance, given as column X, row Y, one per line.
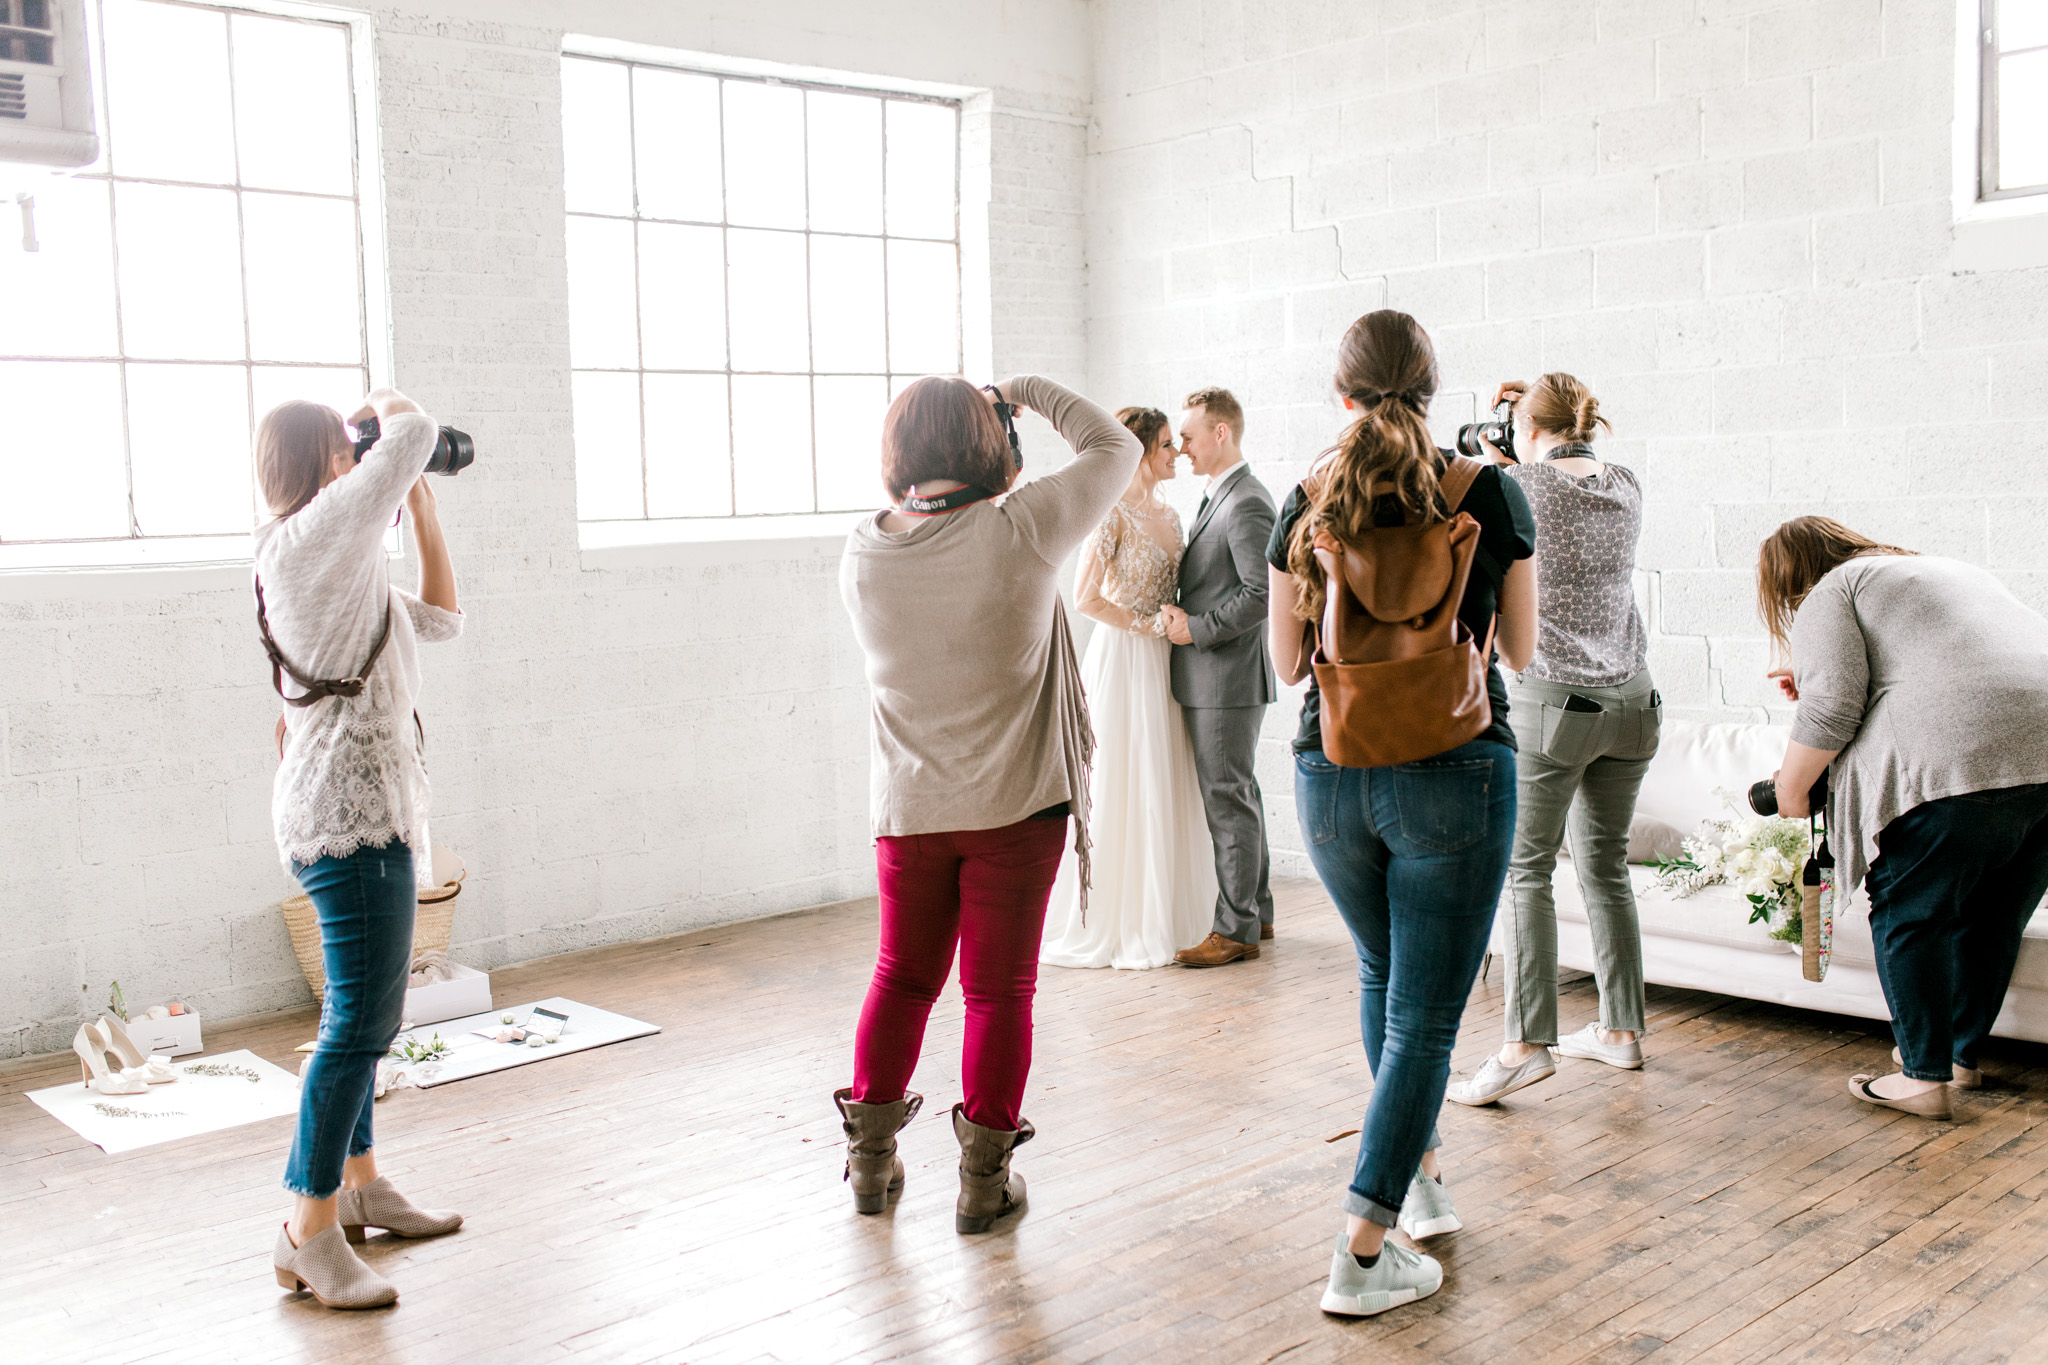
column 453, row 451
column 1500, row 432
column 1763, row 796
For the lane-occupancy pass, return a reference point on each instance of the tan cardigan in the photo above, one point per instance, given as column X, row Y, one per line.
column 971, row 722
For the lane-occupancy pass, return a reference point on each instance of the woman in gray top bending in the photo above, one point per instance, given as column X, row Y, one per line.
column 1586, row 720
column 1922, row 686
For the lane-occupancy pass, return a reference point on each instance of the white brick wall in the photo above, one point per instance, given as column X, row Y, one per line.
column 1731, row 218
column 633, row 746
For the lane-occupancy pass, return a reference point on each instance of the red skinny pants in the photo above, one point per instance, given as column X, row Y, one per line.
column 985, row 890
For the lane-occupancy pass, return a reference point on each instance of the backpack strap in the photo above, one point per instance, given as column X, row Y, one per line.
column 1455, row 481
column 316, row 688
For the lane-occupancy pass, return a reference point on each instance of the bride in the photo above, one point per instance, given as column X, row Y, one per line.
column 1153, row 891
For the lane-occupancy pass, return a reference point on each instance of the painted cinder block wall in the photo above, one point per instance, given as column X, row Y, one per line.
column 622, row 744
column 1732, row 217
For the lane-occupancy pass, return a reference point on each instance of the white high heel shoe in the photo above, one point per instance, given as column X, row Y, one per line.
column 92, row 1048
column 134, row 1061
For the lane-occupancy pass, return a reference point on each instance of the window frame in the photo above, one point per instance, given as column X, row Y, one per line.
column 970, row 241
column 1976, row 200
column 141, row 550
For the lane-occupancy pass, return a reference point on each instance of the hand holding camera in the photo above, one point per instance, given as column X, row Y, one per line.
column 1495, row 440
column 453, row 451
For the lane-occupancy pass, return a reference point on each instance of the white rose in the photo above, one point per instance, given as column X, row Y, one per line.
column 1744, row 860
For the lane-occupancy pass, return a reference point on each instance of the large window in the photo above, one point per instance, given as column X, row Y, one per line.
column 755, row 267
column 206, row 268
column 2012, row 133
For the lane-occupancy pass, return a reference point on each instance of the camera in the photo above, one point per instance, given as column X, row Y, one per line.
column 1500, row 432
column 1763, row 796
column 453, row 451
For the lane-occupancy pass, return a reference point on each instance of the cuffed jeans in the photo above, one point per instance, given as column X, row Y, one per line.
column 366, row 904
column 1951, row 891
column 1578, row 773
column 1414, row 856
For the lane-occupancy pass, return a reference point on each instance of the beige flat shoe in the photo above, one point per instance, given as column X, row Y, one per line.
column 1930, row 1104
column 1961, row 1077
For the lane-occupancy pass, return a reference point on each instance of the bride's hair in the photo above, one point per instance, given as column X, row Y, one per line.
column 1143, row 423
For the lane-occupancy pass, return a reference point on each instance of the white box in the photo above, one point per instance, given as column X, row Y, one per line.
column 468, row 991
column 177, row 1036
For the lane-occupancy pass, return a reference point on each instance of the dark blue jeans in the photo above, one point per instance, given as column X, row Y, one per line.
column 1414, row 856
column 1951, row 891
column 366, row 903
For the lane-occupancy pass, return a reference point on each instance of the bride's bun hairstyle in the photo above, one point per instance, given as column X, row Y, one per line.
column 1387, row 368
column 1563, row 406
column 943, row 428
column 1143, row 423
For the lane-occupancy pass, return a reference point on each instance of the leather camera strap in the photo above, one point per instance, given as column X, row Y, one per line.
column 316, row 688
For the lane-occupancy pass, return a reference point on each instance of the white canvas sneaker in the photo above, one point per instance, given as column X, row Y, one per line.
column 1586, row 1044
column 1427, row 1211
column 1493, row 1079
column 1399, row 1276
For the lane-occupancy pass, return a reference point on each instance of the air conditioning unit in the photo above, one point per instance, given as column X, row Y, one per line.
column 46, row 112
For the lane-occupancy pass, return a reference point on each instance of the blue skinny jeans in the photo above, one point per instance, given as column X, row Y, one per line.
column 1414, row 856
column 366, row 903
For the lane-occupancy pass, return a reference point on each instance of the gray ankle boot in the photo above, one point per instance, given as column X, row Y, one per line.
column 872, row 1166
column 989, row 1189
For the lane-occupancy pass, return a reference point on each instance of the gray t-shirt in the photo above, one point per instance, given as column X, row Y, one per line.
column 1588, row 632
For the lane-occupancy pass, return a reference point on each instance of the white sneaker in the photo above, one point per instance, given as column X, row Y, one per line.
column 1586, row 1043
column 1399, row 1276
column 1427, row 1211
column 1494, row 1079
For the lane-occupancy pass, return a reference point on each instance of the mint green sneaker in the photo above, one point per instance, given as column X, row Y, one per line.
column 1400, row 1276
column 1427, row 1211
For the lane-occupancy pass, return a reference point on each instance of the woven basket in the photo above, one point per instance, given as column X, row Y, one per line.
column 433, row 923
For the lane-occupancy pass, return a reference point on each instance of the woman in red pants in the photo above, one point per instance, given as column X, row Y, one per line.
column 979, row 744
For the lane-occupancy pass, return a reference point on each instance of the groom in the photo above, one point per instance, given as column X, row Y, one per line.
column 1221, row 675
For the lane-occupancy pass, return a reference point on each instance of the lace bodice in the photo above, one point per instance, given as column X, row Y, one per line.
column 1138, row 573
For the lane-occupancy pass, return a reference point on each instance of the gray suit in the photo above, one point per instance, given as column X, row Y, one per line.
column 1224, row 682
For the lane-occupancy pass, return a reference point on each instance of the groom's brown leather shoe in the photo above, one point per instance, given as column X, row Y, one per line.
column 1216, row 950
column 1265, row 933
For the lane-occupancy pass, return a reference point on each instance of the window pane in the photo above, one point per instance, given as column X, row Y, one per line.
column 689, row 446
column 2023, row 120
column 682, row 297
column 301, row 261
column 59, row 300
column 845, row 162
column 181, row 272
column 770, row 324
column 167, row 92
column 764, row 154
column 601, row 315
column 188, row 434
column 847, row 317
column 340, row 389
column 607, row 446
column 921, row 155
column 63, row 475
column 675, row 145
column 771, row 444
column 2022, row 23
column 849, row 426
column 292, row 125
column 597, row 145
column 924, row 307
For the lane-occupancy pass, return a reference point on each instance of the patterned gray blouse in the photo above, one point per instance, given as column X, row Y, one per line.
column 1589, row 633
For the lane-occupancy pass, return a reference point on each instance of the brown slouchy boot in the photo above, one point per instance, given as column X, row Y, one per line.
column 989, row 1189
column 872, row 1166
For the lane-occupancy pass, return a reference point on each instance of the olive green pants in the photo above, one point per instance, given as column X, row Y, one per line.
column 1578, row 773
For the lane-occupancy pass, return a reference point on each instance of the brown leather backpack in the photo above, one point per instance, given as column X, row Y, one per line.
column 1401, row 677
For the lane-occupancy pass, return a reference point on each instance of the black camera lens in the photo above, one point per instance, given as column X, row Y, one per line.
column 453, row 450
column 1763, row 797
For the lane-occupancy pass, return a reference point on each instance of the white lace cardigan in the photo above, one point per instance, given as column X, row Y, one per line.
column 352, row 776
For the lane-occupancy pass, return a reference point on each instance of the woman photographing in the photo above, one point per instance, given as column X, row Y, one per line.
column 350, row 800
column 1922, row 691
column 980, row 744
column 1413, row 853
column 1586, row 719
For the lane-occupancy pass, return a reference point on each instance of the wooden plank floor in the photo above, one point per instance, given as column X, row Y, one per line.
column 678, row 1198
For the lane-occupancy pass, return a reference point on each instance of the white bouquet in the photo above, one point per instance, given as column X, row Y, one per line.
column 1763, row 857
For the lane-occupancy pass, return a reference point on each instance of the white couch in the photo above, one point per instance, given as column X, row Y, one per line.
column 1705, row 941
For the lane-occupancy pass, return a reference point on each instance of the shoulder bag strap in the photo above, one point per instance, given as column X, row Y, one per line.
column 316, row 688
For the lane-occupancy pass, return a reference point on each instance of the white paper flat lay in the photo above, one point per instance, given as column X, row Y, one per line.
column 471, row 1055
column 186, row 1107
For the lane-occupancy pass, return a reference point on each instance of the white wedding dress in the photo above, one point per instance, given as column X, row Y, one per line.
column 1154, row 885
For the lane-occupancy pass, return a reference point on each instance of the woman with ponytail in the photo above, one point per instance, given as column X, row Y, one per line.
column 1412, row 854
column 1588, row 717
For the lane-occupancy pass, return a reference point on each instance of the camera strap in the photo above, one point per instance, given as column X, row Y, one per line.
column 1006, row 413
column 942, row 503
column 316, row 688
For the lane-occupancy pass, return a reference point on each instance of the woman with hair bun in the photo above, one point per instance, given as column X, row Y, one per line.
column 1587, row 718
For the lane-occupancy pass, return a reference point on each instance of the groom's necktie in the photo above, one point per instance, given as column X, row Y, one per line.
column 1203, row 508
